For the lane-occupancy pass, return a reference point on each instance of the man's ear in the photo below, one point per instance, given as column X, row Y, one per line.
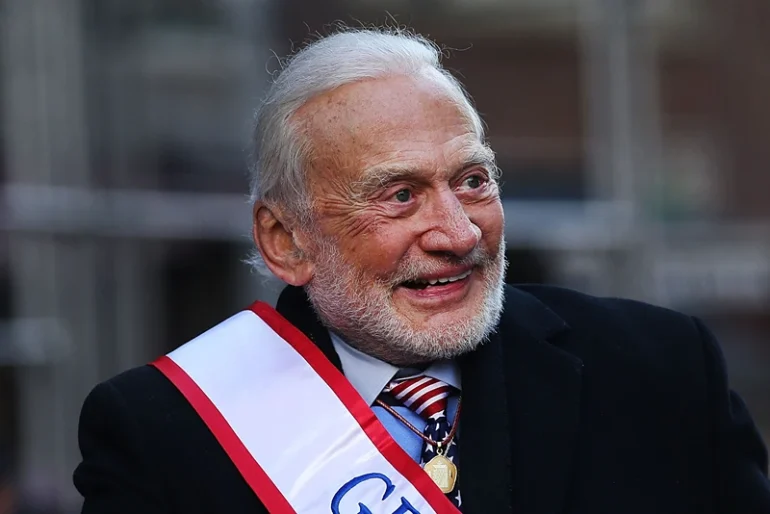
column 278, row 245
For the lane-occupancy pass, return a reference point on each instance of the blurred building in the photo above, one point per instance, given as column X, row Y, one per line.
column 632, row 136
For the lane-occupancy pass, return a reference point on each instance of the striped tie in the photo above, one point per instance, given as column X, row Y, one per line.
column 427, row 397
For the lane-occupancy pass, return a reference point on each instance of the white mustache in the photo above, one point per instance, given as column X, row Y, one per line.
column 413, row 269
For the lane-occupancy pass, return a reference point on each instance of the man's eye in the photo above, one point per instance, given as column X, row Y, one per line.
column 403, row 196
column 474, row 182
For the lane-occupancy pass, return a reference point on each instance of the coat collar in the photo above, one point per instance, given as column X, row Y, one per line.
column 521, row 400
column 294, row 305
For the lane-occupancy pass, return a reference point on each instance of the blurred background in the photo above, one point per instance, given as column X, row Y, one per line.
column 633, row 135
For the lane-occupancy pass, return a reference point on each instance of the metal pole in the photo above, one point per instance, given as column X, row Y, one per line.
column 46, row 143
column 623, row 126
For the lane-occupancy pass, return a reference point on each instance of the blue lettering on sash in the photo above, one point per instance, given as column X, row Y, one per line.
column 404, row 508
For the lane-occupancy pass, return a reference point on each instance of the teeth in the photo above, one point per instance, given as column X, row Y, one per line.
column 435, row 281
column 462, row 276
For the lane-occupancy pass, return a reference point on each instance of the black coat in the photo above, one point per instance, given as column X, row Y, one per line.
column 576, row 405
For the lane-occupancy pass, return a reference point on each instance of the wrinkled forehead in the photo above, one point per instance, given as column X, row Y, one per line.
column 391, row 117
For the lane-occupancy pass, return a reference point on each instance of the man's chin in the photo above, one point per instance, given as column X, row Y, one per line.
column 453, row 331
column 441, row 321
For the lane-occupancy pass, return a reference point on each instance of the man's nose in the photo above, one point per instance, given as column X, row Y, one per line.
column 451, row 230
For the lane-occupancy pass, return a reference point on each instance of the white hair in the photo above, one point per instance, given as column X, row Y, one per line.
column 281, row 152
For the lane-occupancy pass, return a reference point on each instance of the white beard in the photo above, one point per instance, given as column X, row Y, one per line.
column 361, row 310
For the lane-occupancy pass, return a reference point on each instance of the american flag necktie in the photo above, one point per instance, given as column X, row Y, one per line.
column 428, row 397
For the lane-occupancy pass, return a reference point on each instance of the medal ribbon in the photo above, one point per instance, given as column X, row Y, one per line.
column 427, row 396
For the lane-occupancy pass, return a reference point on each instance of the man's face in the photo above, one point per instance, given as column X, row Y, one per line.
column 407, row 244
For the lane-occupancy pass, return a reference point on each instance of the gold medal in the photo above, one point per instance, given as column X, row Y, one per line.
column 443, row 472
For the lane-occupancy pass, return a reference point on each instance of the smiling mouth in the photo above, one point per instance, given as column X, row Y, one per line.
column 424, row 284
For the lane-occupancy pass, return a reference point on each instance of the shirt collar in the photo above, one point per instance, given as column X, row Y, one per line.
column 369, row 375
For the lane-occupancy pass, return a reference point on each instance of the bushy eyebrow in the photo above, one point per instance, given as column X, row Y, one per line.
column 379, row 177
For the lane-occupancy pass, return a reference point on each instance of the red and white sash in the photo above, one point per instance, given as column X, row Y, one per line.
column 298, row 432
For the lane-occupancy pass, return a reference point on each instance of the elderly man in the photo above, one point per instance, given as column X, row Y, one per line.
column 398, row 374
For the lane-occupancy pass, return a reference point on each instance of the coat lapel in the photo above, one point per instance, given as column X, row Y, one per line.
column 485, row 444
column 544, row 386
column 516, row 448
